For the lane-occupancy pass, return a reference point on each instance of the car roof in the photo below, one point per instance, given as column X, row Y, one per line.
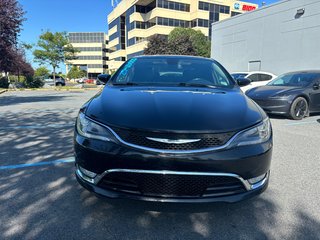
column 253, row 72
column 304, row 71
column 175, row 56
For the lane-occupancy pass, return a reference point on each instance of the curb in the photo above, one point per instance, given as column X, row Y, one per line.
column 3, row 91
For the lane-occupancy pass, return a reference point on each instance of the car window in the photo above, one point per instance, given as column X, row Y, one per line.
column 265, row 77
column 254, row 77
column 239, row 75
column 172, row 71
column 295, row 79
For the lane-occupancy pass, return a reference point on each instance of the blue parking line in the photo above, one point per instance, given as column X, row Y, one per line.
column 38, row 126
column 55, row 162
column 300, row 123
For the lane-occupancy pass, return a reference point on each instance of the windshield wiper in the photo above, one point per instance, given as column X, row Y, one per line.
column 196, row 85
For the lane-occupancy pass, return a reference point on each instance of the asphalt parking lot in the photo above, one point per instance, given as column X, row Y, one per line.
column 40, row 198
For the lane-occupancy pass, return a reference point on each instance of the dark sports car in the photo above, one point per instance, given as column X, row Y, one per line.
column 293, row 94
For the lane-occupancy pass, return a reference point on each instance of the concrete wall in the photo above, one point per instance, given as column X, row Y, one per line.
column 273, row 38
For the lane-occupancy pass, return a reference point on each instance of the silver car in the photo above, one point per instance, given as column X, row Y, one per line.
column 59, row 81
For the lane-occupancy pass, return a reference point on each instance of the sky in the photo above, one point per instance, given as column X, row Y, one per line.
column 69, row 16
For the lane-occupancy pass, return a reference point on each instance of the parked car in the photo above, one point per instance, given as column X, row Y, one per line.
column 90, row 81
column 293, row 94
column 194, row 137
column 257, row 78
column 81, row 80
column 60, row 81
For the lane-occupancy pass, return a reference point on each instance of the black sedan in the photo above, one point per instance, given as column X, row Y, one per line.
column 293, row 94
column 173, row 129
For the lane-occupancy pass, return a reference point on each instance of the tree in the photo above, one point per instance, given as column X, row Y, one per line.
column 11, row 19
column 75, row 73
column 53, row 49
column 181, row 41
column 157, row 45
column 199, row 41
column 182, row 46
column 41, row 72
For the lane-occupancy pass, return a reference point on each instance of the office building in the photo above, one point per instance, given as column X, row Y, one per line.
column 93, row 55
column 132, row 21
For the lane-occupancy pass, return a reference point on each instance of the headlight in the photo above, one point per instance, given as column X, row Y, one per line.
column 255, row 135
column 89, row 129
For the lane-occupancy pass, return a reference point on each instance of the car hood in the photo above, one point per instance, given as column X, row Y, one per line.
column 271, row 91
column 173, row 109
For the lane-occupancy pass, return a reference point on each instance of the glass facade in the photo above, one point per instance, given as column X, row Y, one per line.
column 173, row 22
column 95, row 65
column 214, row 11
column 135, row 40
column 234, row 13
column 173, row 5
column 86, row 37
column 89, row 58
column 90, row 49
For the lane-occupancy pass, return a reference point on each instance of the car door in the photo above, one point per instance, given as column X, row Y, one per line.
column 315, row 96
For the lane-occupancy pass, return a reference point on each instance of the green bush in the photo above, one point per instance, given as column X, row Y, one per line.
column 4, row 82
column 33, row 82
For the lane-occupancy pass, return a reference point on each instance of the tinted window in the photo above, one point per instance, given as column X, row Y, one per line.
column 172, row 71
column 265, row 77
column 239, row 75
column 295, row 79
column 254, row 77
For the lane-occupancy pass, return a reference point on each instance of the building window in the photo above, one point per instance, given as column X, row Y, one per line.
column 95, row 65
column 135, row 40
column 214, row 7
column 87, row 37
column 89, row 49
column 234, row 13
column 89, row 58
column 146, row 9
column 172, row 22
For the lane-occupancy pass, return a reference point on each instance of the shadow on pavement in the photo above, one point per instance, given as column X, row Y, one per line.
column 14, row 100
column 47, row 203
column 34, row 137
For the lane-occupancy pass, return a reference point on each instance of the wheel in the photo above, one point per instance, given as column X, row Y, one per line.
column 59, row 84
column 299, row 108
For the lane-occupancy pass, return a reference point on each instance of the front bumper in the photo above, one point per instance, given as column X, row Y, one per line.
column 240, row 163
column 255, row 190
column 279, row 106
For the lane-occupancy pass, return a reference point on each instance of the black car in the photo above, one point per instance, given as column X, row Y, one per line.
column 173, row 129
column 293, row 94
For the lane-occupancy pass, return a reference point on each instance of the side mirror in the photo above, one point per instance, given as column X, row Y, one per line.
column 316, row 86
column 243, row 81
column 104, row 78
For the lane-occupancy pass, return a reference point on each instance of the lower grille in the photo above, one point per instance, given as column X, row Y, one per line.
column 140, row 138
column 169, row 185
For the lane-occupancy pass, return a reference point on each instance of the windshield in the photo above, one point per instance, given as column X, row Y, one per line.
column 295, row 79
column 172, row 71
column 239, row 75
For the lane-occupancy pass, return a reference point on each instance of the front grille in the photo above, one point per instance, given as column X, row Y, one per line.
column 170, row 185
column 140, row 138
